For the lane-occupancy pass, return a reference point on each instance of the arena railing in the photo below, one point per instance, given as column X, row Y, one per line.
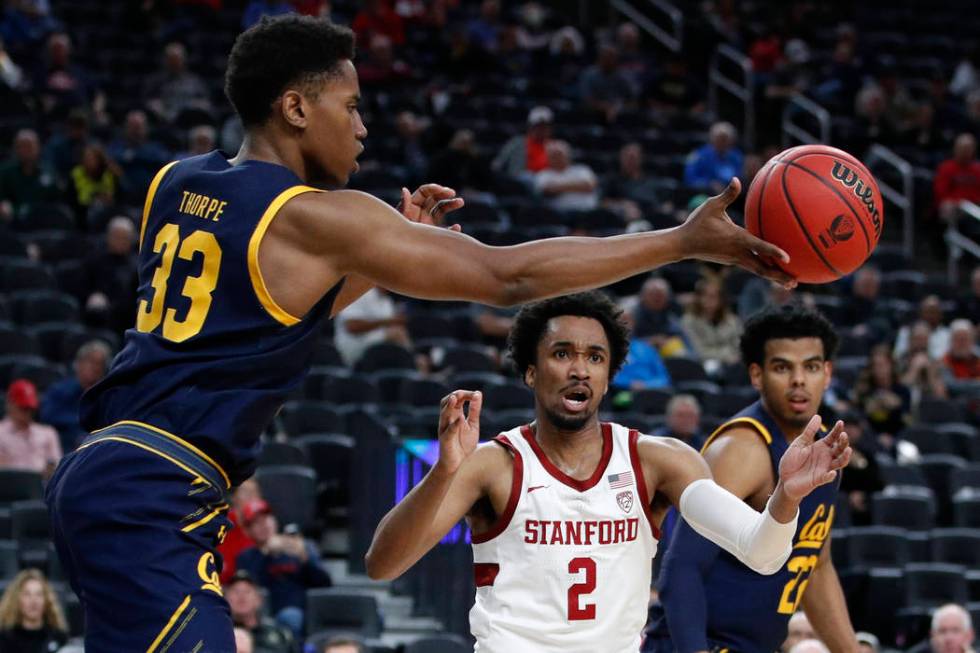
column 958, row 243
column 903, row 199
column 673, row 40
column 799, row 104
column 742, row 90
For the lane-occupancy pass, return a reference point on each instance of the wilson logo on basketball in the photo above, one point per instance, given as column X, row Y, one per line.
column 625, row 500
column 841, row 229
column 861, row 189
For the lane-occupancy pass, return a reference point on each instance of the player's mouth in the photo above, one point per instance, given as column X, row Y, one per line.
column 576, row 399
column 799, row 403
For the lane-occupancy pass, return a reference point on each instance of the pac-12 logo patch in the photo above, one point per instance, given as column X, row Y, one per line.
column 625, row 500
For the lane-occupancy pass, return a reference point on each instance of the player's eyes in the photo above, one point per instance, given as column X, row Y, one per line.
column 596, row 358
column 561, row 353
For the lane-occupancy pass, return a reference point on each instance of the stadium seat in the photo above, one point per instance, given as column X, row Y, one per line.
column 326, row 354
column 427, row 325
column 338, row 610
column 898, row 475
column 685, row 369
column 70, row 278
column 35, row 306
column 904, row 507
column 468, row 358
column 966, row 510
column 33, row 368
column 281, row 453
column 965, row 439
column 964, row 477
column 933, row 584
column 385, row 356
column 504, row 396
column 423, row 393
column 29, row 525
column 937, row 469
column 903, row 284
column 51, row 337
column 389, row 383
column 72, row 341
column 476, row 380
column 928, row 440
column 47, row 217
column 17, row 341
column 439, row 644
column 960, row 546
column 9, row 559
column 727, row 402
column 939, row 411
column 329, row 454
column 13, row 366
column 651, row 401
column 20, row 485
column 341, row 387
column 365, row 425
column 301, row 417
column 57, row 246
column 25, row 275
column 476, row 212
column 290, row 491
column 875, row 546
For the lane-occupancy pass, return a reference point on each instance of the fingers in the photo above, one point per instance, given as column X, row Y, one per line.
column 765, row 249
column 439, row 208
column 406, row 199
column 476, row 402
column 731, row 192
column 758, row 266
column 455, row 228
column 809, row 433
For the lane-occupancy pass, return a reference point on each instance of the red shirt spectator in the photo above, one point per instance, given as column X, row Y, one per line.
column 377, row 17
column 237, row 539
column 958, row 178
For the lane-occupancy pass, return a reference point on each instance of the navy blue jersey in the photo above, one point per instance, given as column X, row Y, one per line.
column 212, row 356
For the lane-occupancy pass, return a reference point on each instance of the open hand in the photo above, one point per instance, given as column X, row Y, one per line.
column 710, row 235
column 810, row 463
column 429, row 204
column 459, row 433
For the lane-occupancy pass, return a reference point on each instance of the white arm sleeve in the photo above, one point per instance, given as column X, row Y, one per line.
column 757, row 539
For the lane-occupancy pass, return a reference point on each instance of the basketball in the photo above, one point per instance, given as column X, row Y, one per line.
column 821, row 205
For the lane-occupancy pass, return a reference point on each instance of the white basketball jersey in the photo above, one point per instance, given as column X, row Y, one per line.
column 566, row 568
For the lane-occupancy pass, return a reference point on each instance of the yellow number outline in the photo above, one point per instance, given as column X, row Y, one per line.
column 801, row 565
column 198, row 288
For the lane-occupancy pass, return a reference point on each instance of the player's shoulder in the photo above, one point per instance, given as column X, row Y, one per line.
column 737, row 441
column 659, row 450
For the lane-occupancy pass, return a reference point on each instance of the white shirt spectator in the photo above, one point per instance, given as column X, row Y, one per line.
column 374, row 305
column 566, row 186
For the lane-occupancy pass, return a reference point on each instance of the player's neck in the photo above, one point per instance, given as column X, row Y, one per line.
column 260, row 145
column 566, row 448
column 790, row 430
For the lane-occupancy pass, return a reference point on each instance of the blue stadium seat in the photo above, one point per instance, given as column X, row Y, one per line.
column 290, row 491
column 337, row 610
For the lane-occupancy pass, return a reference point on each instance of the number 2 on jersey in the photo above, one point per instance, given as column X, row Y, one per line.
column 577, row 611
column 793, row 590
column 198, row 289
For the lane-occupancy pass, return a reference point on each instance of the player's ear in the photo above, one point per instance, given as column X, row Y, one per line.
column 293, row 108
column 755, row 375
column 529, row 376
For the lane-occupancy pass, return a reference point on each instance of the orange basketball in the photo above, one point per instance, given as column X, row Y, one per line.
column 821, row 205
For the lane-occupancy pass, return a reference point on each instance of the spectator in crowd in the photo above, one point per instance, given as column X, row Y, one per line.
column 864, row 300
column 410, row 152
column 566, row 61
column 256, row 9
column 643, row 368
column 31, row 619
column 110, row 282
column 60, row 84
column 713, row 165
column 930, row 312
column 810, row 646
column 654, row 318
column 59, row 407
column 25, row 180
column 881, row 396
column 922, row 373
column 683, row 421
column 460, row 165
column 867, row 642
column 898, row 101
column 797, row 630
column 674, row 91
column 11, row 75
column 962, row 361
column 957, row 178
column 236, row 538
column 862, row 478
column 139, row 156
column 924, row 135
column 484, row 30
column 525, row 154
column 872, row 124
column 711, row 326
column 966, row 75
column 606, row 90
column 244, row 642
column 633, row 62
column 63, row 150
column 377, row 17
column 566, row 185
column 630, row 190
column 344, row 644
column 245, row 602
column 94, row 182
column 283, row 563
column 373, row 318
column 379, row 67
column 176, row 89
column 201, row 139
column 951, row 631
column 968, row 305
column 841, row 78
column 25, row 444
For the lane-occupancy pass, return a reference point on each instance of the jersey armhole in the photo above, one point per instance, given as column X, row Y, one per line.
column 641, row 484
column 517, row 482
column 148, row 202
column 254, row 273
column 752, row 423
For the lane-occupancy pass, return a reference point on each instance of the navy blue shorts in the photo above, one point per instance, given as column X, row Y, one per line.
column 136, row 516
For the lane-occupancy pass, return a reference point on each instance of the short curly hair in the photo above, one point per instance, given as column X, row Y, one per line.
column 280, row 51
column 788, row 321
column 532, row 319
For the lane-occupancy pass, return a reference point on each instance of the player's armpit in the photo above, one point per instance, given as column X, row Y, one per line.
column 740, row 463
column 432, row 508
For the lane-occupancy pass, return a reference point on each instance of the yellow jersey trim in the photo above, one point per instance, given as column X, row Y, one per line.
column 751, row 421
column 204, row 520
column 258, row 283
column 119, row 438
column 170, row 624
column 176, row 439
column 149, row 198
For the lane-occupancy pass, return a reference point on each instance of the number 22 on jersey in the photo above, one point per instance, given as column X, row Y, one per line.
column 197, row 289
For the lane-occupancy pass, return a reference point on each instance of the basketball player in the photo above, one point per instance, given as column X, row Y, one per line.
column 565, row 511
column 709, row 599
column 240, row 262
